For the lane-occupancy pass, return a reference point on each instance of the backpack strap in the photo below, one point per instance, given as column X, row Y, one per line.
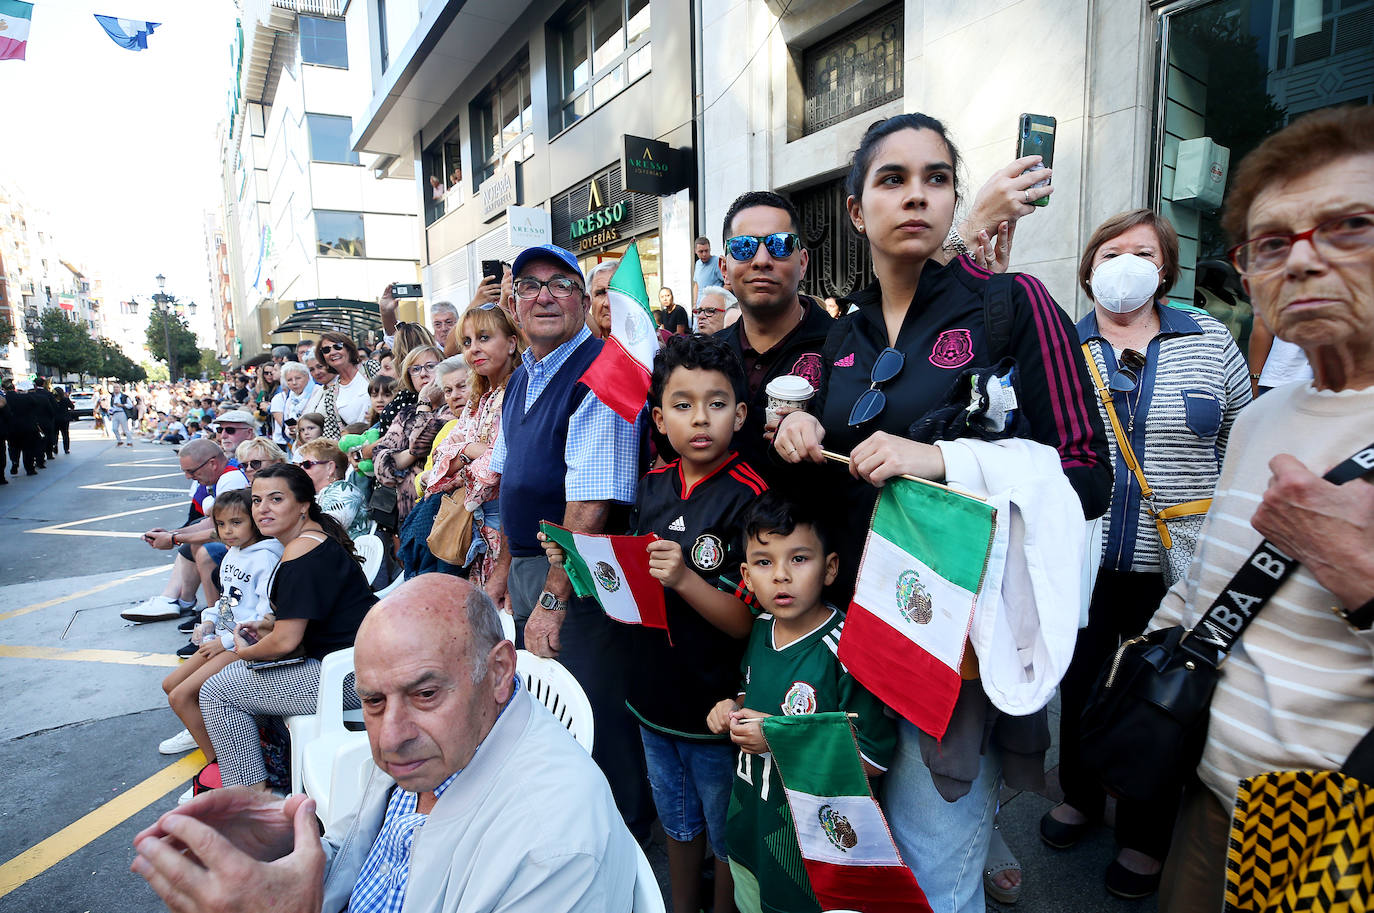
column 998, row 314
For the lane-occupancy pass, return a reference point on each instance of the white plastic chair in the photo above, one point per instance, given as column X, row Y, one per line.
column 647, row 897
column 508, row 625
column 552, row 685
column 372, row 550
column 386, row 590
column 323, row 750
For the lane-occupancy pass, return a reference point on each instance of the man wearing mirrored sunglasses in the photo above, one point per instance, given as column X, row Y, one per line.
column 779, row 330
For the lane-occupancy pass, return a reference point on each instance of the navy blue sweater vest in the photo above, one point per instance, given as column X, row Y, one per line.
column 532, row 481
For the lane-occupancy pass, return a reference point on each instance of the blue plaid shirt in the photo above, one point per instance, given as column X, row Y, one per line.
column 381, row 886
column 602, row 452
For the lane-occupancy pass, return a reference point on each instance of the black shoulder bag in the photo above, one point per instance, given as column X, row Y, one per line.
column 1145, row 727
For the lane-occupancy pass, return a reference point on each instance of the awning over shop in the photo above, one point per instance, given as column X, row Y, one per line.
column 343, row 315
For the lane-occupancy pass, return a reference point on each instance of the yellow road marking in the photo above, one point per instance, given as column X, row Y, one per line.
column 95, row 589
column 62, row 529
column 42, row 856
column 119, row 657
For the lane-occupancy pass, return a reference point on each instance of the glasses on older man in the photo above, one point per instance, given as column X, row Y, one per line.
column 1344, row 236
column 559, row 287
column 191, row 473
column 706, row 312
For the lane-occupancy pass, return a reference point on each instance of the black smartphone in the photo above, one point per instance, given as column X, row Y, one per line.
column 401, row 290
column 249, row 635
column 1035, row 136
column 493, row 269
column 259, row 664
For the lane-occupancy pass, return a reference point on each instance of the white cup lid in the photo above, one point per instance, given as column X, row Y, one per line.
column 790, row 387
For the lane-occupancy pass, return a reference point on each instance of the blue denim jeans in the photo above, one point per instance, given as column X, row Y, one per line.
column 691, row 783
column 944, row 843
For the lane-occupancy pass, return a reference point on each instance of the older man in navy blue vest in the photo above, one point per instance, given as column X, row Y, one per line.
column 566, row 457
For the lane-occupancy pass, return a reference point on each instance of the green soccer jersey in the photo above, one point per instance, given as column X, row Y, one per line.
column 803, row 677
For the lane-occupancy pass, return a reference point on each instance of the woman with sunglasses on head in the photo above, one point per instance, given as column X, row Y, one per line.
column 1176, row 381
column 345, row 399
column 886, row 366
column 400, row 453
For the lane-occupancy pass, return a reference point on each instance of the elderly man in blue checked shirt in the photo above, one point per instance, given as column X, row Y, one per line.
column 566, row 457
column 442, row 826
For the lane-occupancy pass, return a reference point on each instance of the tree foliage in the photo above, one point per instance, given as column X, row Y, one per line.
column 209, row 364
column 185, row 349
column 6, row 332
column 114, row 363
column 65, row 345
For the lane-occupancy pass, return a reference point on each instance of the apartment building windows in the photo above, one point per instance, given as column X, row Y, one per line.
column 329, row 140
column 324, row 42
column 502, row 119
column 603, row 47
column 443, row 164
column 339, row 234
column 853, row 71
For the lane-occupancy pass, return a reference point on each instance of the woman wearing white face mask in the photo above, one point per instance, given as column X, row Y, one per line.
column 1175, row 382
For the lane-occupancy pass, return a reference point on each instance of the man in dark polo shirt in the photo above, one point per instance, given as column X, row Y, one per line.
column 779, row 331
column 566, row 457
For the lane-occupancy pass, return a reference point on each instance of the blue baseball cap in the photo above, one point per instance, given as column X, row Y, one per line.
column 546, row 252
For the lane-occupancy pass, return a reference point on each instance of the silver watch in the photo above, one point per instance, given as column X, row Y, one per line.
column 551, row 602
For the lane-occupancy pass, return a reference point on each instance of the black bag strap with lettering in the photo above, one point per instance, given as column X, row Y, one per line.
column 1257, row 580
column 999, row 313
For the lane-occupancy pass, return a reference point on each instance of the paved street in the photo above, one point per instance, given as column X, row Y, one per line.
column 84, row 711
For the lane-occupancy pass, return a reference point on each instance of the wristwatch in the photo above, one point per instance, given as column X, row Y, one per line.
column 551, row 602
column 1360, row 618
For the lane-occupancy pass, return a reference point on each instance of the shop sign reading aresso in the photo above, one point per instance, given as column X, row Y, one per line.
column 651, row 166
column 598, row 226
column 598, row 213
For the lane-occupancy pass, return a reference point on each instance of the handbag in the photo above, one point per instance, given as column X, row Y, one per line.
column 1178, row 525
column 1304, row 839
column 382, row 506
column 1145, row 726
column 450, row 537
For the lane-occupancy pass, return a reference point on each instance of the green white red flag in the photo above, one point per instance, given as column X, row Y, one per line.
column 850, row 857
column 620, row 374
column 922, row 572
column 15, row 17
column 613, row 570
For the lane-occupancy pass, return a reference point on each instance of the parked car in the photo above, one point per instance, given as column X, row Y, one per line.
column 84, row 400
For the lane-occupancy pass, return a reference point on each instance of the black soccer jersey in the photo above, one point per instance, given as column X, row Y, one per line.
column 673, row 687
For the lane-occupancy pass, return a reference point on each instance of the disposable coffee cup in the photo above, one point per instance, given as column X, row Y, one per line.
column 788, row 393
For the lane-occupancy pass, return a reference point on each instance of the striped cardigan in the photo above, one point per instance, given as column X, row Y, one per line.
column 1194, row 384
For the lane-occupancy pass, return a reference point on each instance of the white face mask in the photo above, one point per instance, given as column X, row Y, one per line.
column 1125, row 283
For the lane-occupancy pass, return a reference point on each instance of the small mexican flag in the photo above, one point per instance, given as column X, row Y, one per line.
column 846, row 847
column 614, row 570
column 15, row 16
column 922, row 571
column 620, row 374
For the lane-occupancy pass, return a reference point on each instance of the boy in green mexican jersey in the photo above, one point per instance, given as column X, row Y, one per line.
column 790, row 667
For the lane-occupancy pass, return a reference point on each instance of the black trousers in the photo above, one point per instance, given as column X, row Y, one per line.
column 64, row 431
column 29, row 445
column 1122, row 604
column 49, row 441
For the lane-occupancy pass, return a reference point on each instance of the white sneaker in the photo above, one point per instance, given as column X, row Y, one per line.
column 181, row 742
column 187, row 796
column 159, row 608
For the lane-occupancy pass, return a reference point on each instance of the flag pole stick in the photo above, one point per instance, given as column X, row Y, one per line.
column 841, row 458
column 760, row 719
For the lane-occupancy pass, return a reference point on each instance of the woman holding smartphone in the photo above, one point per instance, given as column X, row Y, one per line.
column 885, row 366
column 319, row 597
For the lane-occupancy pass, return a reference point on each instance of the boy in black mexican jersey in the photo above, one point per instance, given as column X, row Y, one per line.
column 695, row 505
column 791, row 666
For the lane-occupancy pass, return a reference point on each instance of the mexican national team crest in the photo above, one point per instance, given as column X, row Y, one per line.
column 708, row 552
column 637, row 326
column 913, row 598
column 606, row 577
column 809, row 366
column 801, row 698
column 952, row 349
column 837, row 829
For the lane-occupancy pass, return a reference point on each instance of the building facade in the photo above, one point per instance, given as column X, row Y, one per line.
column 306, row 217
column 516, row 123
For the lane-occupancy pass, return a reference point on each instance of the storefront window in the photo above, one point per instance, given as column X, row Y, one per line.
column 605, row 46
column 1234, row 72
column 650, row 259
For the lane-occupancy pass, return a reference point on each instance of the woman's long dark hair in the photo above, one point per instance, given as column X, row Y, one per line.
column 303, row 490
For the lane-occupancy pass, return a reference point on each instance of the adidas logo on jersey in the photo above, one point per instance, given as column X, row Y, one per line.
column 678, row 525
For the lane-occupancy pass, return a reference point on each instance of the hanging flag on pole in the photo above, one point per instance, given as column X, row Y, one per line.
column 127, row 33
column 922, row 572
column 620, row 374
column 15, row 16
column 614, row 570
column 850, row 857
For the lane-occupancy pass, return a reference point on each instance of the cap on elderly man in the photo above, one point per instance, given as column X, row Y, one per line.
column 235, row 417
column 546, row 252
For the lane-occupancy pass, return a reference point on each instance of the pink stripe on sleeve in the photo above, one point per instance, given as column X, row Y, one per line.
column 1066, row 392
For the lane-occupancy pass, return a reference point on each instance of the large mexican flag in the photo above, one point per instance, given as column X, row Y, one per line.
column 620, row 374
column 613, row 570
column 849, row 855
column 919, row 582
column 15, row 17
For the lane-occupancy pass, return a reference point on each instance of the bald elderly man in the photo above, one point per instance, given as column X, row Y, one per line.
column 448, row 724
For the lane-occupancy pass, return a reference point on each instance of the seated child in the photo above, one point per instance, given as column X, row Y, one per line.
column 245, row 574
column 790, row 666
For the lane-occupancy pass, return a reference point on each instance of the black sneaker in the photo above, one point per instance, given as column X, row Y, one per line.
column 189, row 625
column 188, row 651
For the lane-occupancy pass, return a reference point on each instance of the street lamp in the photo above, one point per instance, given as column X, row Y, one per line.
column 161, row 299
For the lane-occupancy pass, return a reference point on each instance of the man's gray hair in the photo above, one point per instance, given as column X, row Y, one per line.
column 729, row 299
column 201, row 450
column 442, row 307
column 602, row 267
column 283, row 352
column 294, row 367
column 485, row 626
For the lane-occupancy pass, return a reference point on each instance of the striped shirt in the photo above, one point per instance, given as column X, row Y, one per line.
column 1297, row 690
column 1194, row 384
